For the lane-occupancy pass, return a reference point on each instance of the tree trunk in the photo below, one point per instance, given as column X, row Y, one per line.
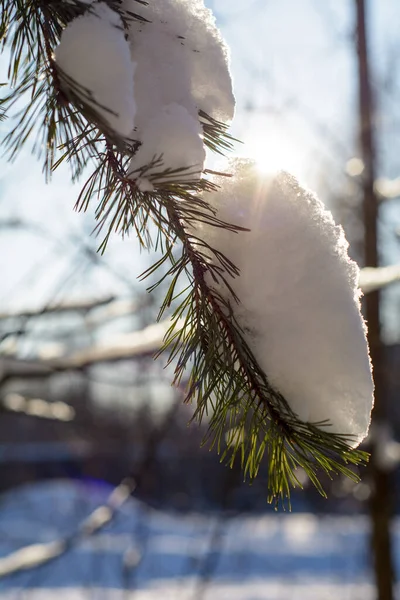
column 380, row 504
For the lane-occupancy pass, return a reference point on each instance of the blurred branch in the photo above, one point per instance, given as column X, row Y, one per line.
column 212, row 557
column 33, row 556
column 139, row 474
column 136, row 344
column 11, row 367
column 373, row 279
column 117, row 309
column 95, row 313
column 211, row 560
column 38, row 407
column 36, row 555
column 62, row 307
column 73, row 241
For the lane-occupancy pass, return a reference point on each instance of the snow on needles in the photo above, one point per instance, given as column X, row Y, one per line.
column 174, row 140
column 182, row 41
column 182, row 68
column 299, row 297
column 173, row 65
column 94, row 54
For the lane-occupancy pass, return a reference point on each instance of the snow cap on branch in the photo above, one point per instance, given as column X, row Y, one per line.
column 162, row 75
column 299, row 300
column 94, row 54
column 172, row 140
column 182, row 56
column 182, row 68
column 151, row 86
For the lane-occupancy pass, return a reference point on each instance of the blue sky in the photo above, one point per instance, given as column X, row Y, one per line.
column 294, row 68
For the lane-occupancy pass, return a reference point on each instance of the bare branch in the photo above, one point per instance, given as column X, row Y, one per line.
column 36, row 555
column 372, row 279
column 38, row 407
column 132, row 345
column 61, row 307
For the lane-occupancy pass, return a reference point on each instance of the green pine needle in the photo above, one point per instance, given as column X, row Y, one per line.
column 248, row 419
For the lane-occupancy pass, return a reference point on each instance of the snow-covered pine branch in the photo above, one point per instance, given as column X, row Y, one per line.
column 270, row 324
column 151, row 86
column 94, row 58
column 299, row 302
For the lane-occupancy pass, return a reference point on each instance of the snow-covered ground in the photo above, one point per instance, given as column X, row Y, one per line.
column 151, row 555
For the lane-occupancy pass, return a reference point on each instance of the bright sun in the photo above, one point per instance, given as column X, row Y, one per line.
column 273, row 153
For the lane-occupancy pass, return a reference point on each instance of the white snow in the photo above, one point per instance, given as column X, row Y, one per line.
column 174, row 139
column 162, row 75
column 93, row 52
column 182, row 68
column 263, row 557
column 299, row 296
column 154, row 83
column 183, row 589
column 182, row 54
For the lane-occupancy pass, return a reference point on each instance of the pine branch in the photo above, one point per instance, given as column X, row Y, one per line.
column 59, row 112
column 216, row 136
column 225, row 379
column 248, row 417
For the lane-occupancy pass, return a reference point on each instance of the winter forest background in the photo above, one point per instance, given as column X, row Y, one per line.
column 84, row 405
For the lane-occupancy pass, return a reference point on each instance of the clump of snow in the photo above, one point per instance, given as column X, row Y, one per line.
column 182, row 68
column 151, row 86
column 299, row 296
column 182, row 56
column 173, row 140
column 95, row 55
column 162, row 75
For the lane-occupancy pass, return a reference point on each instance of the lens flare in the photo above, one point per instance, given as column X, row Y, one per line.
column 274, row 153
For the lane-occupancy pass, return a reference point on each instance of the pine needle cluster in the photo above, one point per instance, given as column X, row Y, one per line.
column 248, row 419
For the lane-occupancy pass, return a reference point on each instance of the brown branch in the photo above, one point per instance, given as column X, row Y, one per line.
column 69, row 306
column 145, row 342
column 199, row 270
